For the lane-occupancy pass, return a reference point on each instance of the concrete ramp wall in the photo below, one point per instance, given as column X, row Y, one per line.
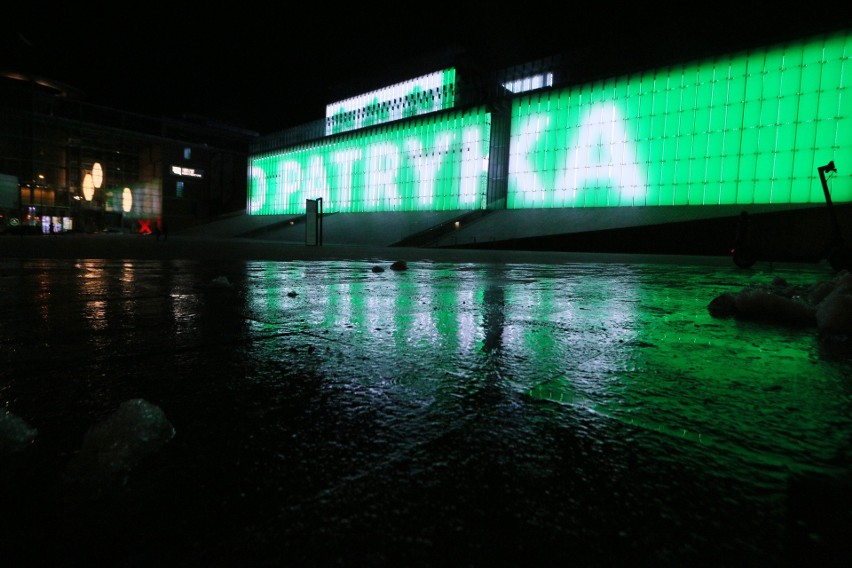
column 373, row 229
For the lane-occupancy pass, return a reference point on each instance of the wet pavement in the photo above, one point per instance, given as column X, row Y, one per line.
column 329, row 410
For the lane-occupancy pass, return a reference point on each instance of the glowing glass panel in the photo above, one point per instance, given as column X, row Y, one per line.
column 433, row 164
column 425, row 94
column 750, row 128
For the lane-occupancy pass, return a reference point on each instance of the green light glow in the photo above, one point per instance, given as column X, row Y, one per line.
column 744, row 129
column 632, row 344
column 430, row 164
column 429, row 93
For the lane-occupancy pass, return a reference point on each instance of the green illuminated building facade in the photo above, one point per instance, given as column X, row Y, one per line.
column 741, row 129
column 734, row 132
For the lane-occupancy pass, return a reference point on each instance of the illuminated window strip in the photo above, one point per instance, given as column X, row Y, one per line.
column 425, row 94
column 530, row 83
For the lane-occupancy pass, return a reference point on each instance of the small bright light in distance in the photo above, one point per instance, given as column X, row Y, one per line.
column 97, row 175
column 88, row 187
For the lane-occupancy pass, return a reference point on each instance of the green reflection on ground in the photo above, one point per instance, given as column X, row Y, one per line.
column 630, row 343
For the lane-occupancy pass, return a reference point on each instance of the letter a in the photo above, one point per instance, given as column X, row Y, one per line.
column 602, row 161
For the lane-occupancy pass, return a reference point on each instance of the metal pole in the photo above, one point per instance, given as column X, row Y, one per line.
column 319, row 220
column 838, row 236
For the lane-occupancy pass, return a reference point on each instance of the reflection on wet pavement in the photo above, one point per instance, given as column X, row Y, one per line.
column 462, row 414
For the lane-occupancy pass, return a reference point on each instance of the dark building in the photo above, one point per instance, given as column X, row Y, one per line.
column 68, row 165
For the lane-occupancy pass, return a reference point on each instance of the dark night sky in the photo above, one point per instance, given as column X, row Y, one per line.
column 266, row 69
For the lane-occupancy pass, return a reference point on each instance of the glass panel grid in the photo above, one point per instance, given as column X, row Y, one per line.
column 746, row 128
column 430, row 164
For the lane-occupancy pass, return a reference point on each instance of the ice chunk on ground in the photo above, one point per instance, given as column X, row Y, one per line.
column 834, row 313
column 118, row 443
column 15, row 434
column 826, row 305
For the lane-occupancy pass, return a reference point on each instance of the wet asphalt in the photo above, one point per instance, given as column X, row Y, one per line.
column 356, row 406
